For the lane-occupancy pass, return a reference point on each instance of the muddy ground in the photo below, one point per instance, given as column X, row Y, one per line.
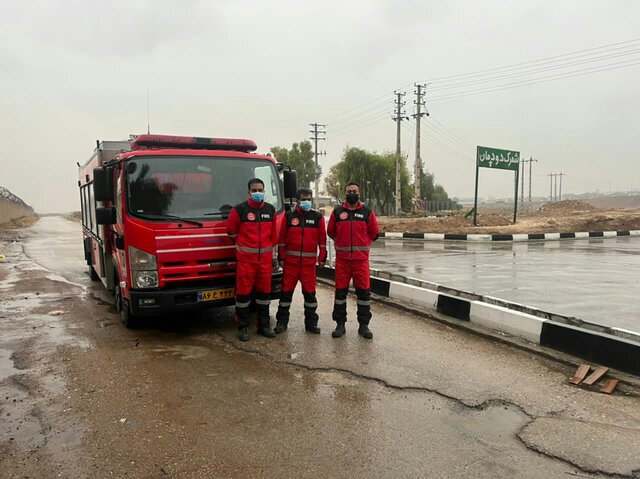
column 81, row 396
column 560, row 217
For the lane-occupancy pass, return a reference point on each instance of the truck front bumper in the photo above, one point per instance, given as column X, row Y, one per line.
column 154, row 303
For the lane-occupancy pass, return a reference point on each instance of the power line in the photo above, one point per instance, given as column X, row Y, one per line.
column 475, row 73
column 509, row 86
column 357, row 125
column 537, row 70
column 504, row 71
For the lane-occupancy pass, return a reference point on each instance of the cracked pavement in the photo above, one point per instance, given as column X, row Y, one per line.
column 80, row 396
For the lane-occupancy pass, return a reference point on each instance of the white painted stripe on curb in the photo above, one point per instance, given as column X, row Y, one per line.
column 552, row 236
column 478, row 237
column 393, row 235
column 609, row 234
column 434, row 236
column 626, row 334
column 582, row 234
column 413, row 295
column 507, row 321
column 521, row 237
column 634, row 233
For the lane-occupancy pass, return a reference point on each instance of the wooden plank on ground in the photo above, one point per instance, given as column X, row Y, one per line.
column 580, row 374
column 597, row 374
column 610, row 386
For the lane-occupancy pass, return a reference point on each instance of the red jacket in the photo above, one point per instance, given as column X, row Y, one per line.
column 253, row 227
column 352, row 231
column 301, row 235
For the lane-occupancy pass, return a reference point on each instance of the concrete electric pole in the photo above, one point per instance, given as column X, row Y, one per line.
column 400, row 115
column 317, row 132
column 531, row 160
column 419, row 114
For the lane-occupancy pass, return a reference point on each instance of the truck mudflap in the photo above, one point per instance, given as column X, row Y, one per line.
column 153, row 303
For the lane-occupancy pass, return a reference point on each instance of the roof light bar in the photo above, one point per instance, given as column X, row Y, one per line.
column 192, row 142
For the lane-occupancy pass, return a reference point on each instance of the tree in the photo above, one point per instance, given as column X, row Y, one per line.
column 375, row 173
column 300, row 158
column 430, row 190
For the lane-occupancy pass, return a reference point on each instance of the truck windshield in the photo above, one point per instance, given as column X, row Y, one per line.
column 195, row 186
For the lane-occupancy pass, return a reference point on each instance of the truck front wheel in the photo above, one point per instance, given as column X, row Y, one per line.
column 122, row 306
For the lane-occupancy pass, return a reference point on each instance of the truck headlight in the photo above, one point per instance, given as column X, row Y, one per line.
column 141, row 260
column 145, row 279
column 144, row 269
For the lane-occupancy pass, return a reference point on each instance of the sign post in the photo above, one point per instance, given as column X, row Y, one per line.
column 500, row 159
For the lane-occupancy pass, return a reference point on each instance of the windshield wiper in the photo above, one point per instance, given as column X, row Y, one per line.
column 152, row 216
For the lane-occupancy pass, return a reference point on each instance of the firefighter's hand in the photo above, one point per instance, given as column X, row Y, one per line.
column 321, row 264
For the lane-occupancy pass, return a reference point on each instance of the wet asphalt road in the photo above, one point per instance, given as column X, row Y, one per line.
column 592, row 279
column 80, row 396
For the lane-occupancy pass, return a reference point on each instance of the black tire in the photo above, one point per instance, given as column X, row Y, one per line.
column 122, row 306
column 92, row 274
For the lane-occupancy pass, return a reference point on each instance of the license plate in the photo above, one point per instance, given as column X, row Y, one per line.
column 216, row 294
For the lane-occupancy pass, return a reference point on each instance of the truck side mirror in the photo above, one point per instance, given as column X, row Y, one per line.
column 106, row 215
column 290, row 180
column 103, row 184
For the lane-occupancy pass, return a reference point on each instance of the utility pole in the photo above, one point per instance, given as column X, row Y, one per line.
column 400, row 115
column 561, row 175
column 317, row 132
column 555, row 187
column 550, row 175
column 419, row 104
column 531, row 160
column 523, row 163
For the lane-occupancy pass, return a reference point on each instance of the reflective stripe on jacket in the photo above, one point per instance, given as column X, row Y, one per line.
column 253, row 227
column 303, row 237
column 352, row 231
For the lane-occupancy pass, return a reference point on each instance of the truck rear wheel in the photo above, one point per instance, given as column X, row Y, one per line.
column 122, row 306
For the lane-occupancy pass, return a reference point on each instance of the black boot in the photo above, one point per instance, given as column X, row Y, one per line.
column 339, row 331
column 282, row 316
column 310, row 315
column 364, row 331
column 243, row 334
column 311, row 326
column 243, row 316
column 264, row 321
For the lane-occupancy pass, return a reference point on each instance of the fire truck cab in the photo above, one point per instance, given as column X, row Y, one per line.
column 154, row 211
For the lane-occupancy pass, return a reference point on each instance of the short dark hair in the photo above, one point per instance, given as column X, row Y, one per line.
column 303, row 191
column 353, row 183
column 253, row 181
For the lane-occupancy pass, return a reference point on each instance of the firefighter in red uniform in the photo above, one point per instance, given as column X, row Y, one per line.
column 303, row 241
column 353, row 227
column 252, row 225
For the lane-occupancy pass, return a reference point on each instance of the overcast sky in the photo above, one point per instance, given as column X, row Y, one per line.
column 75, row 71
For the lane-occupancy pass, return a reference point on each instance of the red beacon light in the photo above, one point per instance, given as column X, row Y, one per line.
column 147, row 141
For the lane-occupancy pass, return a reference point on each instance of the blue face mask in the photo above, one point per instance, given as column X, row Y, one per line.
column 305, row 205
column 258, row 196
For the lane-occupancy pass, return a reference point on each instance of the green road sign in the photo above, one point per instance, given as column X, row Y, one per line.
column 496, row 158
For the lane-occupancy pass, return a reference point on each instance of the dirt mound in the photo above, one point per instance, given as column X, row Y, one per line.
column 564, row 217
column 7, row 229
column 568, row 206
column 75, row 216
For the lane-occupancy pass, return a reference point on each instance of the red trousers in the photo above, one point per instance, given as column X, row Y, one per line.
column 294, row 272
column 253, row 276
column 358, row 269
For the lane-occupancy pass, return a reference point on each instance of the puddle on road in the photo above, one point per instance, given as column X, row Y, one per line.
column 184, row 352
column 60, row 279
column 7, row 368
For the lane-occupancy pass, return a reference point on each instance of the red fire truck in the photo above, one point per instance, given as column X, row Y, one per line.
column 154, row 211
